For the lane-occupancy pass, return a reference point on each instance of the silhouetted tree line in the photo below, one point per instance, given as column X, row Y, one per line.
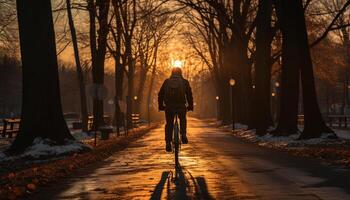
column 239, row 39
column 243, row 39
column 121, row 22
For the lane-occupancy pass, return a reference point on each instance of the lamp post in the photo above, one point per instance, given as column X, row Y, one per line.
column 232, row 83
column 217, row 98
column 277, row 109
column 136, row 104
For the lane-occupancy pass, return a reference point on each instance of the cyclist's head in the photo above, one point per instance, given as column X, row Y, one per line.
column 176, row 71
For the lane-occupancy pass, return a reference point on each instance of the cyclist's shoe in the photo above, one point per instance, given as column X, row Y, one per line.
column 184, row 139
column 168, row 147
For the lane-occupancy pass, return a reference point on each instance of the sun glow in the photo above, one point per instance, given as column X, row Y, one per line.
column 177, row 63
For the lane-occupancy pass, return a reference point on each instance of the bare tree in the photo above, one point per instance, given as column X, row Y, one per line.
column 98, row 10
column 41, row 110
column 81, row 81
column 297, row 61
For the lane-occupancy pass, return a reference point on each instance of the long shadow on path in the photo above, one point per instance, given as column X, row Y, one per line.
column 179, row 186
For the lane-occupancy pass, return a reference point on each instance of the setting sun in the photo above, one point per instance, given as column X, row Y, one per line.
column 177, row 63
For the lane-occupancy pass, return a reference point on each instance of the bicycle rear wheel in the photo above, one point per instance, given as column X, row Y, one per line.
column 176, row 144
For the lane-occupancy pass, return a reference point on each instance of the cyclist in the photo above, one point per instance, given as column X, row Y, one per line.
column 175, row 97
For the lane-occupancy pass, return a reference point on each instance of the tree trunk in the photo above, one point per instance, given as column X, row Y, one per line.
column 119, row 77
column 41, row 109
column 131, row 72
column 98, row 52
column 119, row 67
column 153, row 76
column 344, row 93
column 287, row 122
column 81, row 82
column 224, row 102
column 314, row 124
column 140, row 94
column 262, row 108
column 150, row 89
column 347, row 91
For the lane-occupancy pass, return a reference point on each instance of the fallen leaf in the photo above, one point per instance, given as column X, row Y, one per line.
column 11, row 175
column 18, row 191
column 31, row 186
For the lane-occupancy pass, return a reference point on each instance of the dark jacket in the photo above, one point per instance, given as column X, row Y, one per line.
column 188, row 93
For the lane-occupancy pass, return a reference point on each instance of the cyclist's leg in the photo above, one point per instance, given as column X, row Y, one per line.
column 183, row 126
column 169, row 117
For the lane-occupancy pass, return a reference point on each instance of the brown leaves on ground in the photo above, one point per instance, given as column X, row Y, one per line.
column 335, row 152
column 23, row 182
column 337, row 155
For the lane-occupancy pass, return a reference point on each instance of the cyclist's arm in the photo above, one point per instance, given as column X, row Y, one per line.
column 189, row 96
column 161, row 95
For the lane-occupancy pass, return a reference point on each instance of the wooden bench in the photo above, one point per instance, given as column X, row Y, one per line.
column 301, row 120
column 10, row 127
column 340, row 120
column 106, row 119
column 135, row 119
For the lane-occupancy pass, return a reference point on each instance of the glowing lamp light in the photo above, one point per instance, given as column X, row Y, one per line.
column 232, row 82
column 111, row 102
column 217, row 98
column 135, row 98
column 253, row 86
column 177, row 63
column 273, row 94
column 348, row 86
column 277, row 84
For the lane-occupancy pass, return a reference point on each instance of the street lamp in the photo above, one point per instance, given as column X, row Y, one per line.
column 232, row 83
column 111, row 102
column 277, row 84
column 217, row 106
column 135, row 98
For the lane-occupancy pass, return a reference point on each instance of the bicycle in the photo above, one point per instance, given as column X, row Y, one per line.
column 176, row 141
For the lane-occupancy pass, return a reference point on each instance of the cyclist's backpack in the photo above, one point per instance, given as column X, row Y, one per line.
column 175, row 91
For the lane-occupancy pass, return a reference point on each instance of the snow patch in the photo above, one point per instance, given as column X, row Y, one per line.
column 44, row 147
column 47, row 149
column 344, row 134
column 80, row 136
column 283, row 141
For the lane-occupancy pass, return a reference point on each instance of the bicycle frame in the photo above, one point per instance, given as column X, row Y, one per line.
column 176, row 141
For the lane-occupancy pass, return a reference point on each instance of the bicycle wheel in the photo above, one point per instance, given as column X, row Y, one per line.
column 176, row 143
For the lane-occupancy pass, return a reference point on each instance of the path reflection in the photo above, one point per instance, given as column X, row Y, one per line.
column 181, row 185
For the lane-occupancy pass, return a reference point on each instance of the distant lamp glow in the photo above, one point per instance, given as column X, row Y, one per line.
column 111, row 102
column 194, row 103
column 177, row 63
column 348, row 86
column 273, row 94
column 135, row 98
column 232, row 82
column 253, row 86
column 217, row 98
column 277, row 84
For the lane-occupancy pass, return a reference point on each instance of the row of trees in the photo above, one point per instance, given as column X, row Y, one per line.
column 240, row 39
column 246, row 39
column 128, row 32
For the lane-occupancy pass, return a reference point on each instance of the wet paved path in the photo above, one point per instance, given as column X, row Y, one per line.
column 215, row 165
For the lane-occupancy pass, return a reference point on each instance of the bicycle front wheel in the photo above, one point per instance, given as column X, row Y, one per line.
column 176, row 144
